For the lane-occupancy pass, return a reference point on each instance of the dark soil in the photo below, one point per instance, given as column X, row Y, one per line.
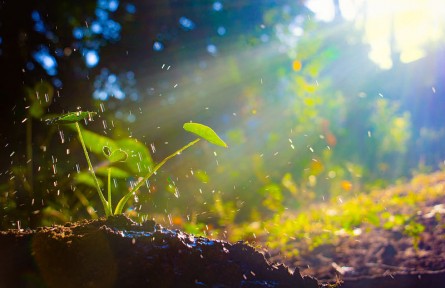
column 120, row 253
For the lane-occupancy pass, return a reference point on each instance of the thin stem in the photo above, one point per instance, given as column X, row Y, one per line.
column 99, row 191
column 109, row 190
column 127, row 196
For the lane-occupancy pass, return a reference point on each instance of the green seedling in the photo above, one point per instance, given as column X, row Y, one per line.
column 119, row 155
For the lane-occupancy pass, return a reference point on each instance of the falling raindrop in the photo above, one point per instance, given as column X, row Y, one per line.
column 176, row 192
column 170, row 219
column 62, row 137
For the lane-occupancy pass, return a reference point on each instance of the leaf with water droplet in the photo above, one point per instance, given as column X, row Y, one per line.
column 71, row 117
column 118, row 155
column 106, row 151
column 205, row 133
column 139, row 156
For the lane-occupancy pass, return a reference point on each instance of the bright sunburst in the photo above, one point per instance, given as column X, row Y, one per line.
column 403, row 27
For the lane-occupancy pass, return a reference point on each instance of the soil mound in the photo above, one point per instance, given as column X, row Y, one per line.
column 117, row 252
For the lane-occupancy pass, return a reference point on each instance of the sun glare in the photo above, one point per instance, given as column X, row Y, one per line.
column 405, row 28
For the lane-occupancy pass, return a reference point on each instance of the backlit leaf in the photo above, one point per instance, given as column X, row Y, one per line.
column 72, row 117
column 205, row 133
column 118, row 155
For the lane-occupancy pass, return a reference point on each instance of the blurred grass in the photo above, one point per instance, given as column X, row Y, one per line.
column 394, row 208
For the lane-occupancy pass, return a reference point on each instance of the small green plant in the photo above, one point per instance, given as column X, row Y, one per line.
column 119, row 155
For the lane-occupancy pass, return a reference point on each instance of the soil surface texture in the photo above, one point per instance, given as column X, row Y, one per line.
column 118, row 252
column 379, row 257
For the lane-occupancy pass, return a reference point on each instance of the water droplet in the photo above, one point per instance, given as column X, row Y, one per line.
column 170, row 219
column 62, row 136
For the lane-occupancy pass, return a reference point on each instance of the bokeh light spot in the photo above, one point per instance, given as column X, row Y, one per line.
column 217, row 6
column 221, row 30
column 186, row 23
column 46, row 60
column 91, row 58
column 158, row 46
column 212, row 49
column 297, row 65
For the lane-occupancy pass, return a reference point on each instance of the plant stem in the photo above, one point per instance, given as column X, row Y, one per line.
column 99, row 191
column 127, row 196
column 109, row 190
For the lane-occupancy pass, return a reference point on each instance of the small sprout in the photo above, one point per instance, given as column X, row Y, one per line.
column 120, row 155
column 75, row 117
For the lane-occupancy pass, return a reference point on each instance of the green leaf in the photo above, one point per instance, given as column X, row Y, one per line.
column 118, row 155
column 139, row 158
column 72, row 117
column 116, row 172
column 96, row 142
column 205, row 133
column 44, row 91
column 40, row 97
column 36, row 110
column 86, row 179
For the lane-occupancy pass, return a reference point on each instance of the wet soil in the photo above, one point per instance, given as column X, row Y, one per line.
column 118, row 252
